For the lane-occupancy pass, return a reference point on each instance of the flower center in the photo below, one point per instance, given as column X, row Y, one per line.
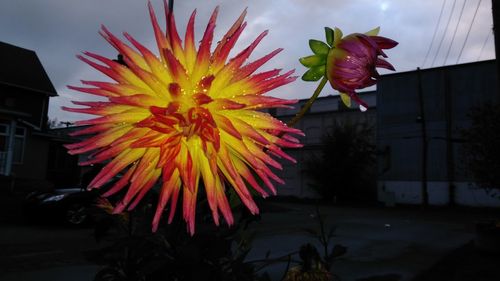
column 196, row 121
column 199, row 122
column 186, row 117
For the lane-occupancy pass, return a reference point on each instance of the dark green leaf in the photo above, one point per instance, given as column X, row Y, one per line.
column 313, row 60
column 319, row 47
column 329, row 36
column 314, row 73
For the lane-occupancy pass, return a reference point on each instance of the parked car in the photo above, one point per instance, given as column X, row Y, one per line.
column 74, row 205
column 70, row 205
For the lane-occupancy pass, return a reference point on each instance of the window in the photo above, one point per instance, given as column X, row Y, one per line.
column 4, row 129
column 19, row 141
column 4, row 135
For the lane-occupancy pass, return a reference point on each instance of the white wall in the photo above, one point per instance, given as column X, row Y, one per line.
column 410, row 192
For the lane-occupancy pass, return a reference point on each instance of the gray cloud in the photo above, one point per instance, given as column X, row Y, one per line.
column 59, row 29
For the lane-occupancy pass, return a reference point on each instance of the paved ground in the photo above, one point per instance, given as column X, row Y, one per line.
column 32, row 247
column 36, row 251
column 465, row 263
column 394, row 244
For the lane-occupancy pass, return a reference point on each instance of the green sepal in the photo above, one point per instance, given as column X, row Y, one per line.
column 329, row 36
column 346, row 99
column 314, row 73
column 313, row 60
column 319, row 47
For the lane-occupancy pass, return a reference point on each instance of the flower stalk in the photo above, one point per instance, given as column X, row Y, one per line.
column 308, row 104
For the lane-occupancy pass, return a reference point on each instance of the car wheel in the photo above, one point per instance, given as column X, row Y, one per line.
column 76, row 214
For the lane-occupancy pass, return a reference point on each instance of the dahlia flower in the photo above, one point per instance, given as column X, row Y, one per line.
column 349, row 63
column 187, row 117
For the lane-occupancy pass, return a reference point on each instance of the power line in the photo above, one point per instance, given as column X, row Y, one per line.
column 484, row 44
column 444, row 32
column 455, row 32
column 435, row 31
column 468, row 31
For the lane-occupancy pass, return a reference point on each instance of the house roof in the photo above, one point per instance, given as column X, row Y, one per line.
column 21, row 68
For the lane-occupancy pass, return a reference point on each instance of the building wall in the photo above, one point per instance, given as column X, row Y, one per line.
column 409, row 192
column 316, row 124
column 448, row 94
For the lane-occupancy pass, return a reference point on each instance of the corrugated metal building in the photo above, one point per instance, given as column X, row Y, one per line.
column 419, row 118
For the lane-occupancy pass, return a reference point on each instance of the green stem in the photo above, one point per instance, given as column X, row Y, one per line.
column 309, row 103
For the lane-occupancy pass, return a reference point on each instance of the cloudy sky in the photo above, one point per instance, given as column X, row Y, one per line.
column 59, row 29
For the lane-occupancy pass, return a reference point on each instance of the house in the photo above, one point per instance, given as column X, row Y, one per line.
column 25, row 90
column 419, row 118
column 318, row 121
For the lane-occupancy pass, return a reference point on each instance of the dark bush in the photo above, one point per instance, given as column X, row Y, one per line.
column 344, row 170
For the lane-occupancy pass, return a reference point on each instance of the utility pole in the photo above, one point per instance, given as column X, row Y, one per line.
column 495, row 7
column 450, row 159
column 423, row 128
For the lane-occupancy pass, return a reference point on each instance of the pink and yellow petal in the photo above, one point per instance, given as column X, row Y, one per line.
column 216, row 56
column 127, row 116
column 124, row 49
column 169, row 192
column 189, row 44
column 160, row 36
column 116, row 165
column 203, row 56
